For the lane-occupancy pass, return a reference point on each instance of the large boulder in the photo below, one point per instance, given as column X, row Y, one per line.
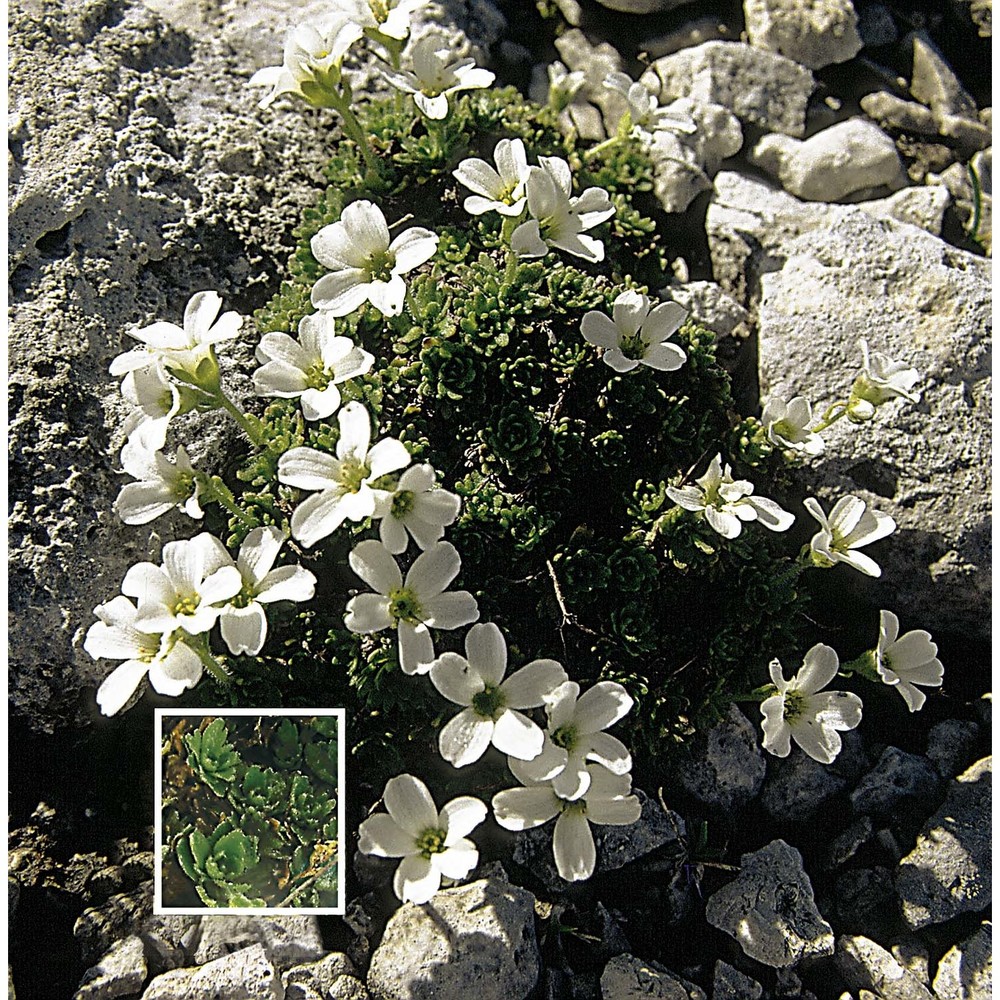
column 919, row 300
column 812, row 34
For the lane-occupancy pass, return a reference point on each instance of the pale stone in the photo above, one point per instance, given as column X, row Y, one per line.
column 813, row 34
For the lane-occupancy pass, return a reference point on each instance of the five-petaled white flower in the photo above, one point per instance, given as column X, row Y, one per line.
column 802, row 711
column 158, row 399
column 432, row 844
column 242, row 621
column 575, row 735
column 436, row 74
column 162, row 485
column 606, row 801
column 557, row 218
column 312, row 64
column 726, row 502
column 344, row 481
column 179, row 348
column 197, row 576
column 881, row 379
column 787, row 425
column 386, row 17
column 171, row 664
column 310, row 367
column 907, row 660
column 851, row 524
column 490, row 703
column 645, row 111
column 496, row 190
column 636, row 336
column 418, row 507
column 415, row 605
column 364, row 265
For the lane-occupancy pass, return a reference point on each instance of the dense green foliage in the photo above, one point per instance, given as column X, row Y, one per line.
column 266, row 836
column 567, row 538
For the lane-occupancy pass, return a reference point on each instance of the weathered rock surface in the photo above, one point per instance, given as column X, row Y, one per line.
column 120, row 973
column 626, row 977
column 966, row 970
column 730, row 984
column 866, row 965
column 288, row 940
column 813, row 35
column 949, row 744
column 755, row 85
column 934, row 82
column 317, row 977
column 709, row 305
column 477, row 940
column 241, row 975
column 899, row 779
column 851, row 156
column 725, row 767
column 769, row 908
column 916, row 298
column 949, row 871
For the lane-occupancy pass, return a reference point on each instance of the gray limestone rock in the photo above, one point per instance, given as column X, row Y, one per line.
column 730, row 984
column 345, row 988
column 241, row 975
column 813, row 35
column 898, row 779
column 477, row 940
column 288, row 940
column 626, row 977
column 934, row 82
column 170, row 940
column 748, row 218
column 917, row 299
column 866, row 965
column 317, row 976
column 120, row 973
column 769, row 909
column 876, row 26
column 718, row 134
column 949, row 745
column 724, row 768
column 895, row 112
column 846, row 158
column 755, row 85
column 966, row 970
column 642, row 6
column 677, row 177
column 709, row 305
column 846, row 845
column 866, row 901
column 949, row 871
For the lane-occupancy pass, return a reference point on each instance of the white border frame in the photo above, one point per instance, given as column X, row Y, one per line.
column 246, row 911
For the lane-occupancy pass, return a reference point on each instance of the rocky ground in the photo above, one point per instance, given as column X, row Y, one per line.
column 825, row 196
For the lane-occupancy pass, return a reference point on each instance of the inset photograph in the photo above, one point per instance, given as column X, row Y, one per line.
column 249, row 811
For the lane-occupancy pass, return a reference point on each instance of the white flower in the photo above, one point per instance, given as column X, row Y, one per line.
column 197, row 575
column 162, row 485
column 432, row 844
column 171, row 664
column 557, row 218
column 575, row 734
column 387, row 17
column 607, row 801
column 344, row 482
column 242, row 621
column 644, row 110
column 563, row 85
column 436, row 74
column 803, row 712
column 310, row 367
column 500, row 190
column 851, row 524
column 881, row 379
column 787, row 426
column 415, row 605
column 312, row 64
column 476, row 682
column 179, row 348
column 907, row 660
column 364, row 265
column 726, row 502
column 158, row 400
column 636, row 335
column 417, row 507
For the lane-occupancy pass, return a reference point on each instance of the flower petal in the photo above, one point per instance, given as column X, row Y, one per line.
column 387, row 455
column 599, row 330
column 287, row 583
column 416, row 648
column 368, row 613
column 409, row 802
column 464, row 739
column 433, row 570
column 451, row 610
column 573, row 847
column 382, row 836
column 819, row 667
column 244, row 629
column 340, row 292
column 515, row 734
column 455, row 680
column 529, row 686
column 609, row 751
column 318, row 516
column 416, row 880
column 412, row 248
column 259, row 550
column 458, row 859
column 525, row 808
column 486, row 652
column 460, row 817
column 120, row 685
column 601, row 706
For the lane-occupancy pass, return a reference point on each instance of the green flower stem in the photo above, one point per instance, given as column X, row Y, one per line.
column 758, row 695
column 247, row 424
column 863, row 666
column 833, row 413
column 209, row 662
column 213, row 488
column 352, row 127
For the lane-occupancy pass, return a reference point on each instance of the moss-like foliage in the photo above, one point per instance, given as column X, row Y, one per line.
column 567, row 537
